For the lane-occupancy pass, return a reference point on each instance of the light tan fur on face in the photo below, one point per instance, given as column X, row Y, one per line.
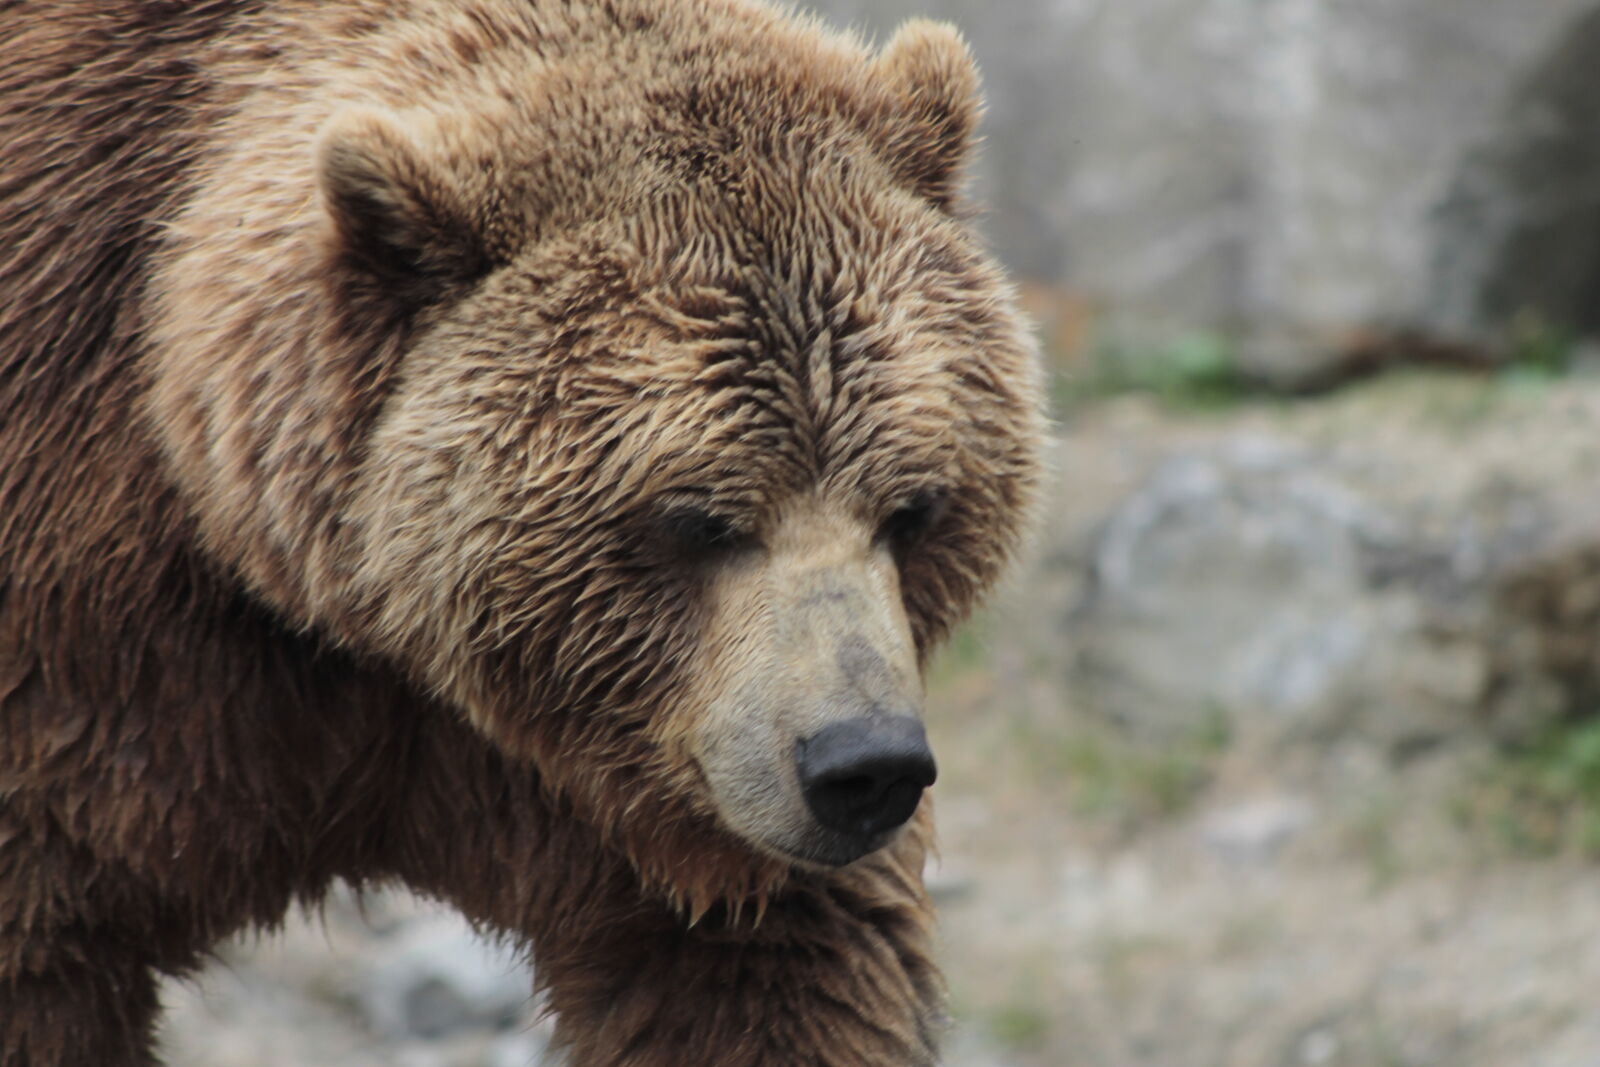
column 812, row 631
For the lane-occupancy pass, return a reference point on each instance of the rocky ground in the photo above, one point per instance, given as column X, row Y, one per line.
column 1274, row 756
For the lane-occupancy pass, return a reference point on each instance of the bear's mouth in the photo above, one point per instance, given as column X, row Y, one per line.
column 831, row 849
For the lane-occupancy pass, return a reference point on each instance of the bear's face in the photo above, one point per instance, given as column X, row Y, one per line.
column 683, row 510
column 670, row 473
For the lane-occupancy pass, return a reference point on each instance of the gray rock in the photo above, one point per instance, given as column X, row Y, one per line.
column 1299, row 595
column 1293, row 170
column 382, row 980
column 1251, row 833
column 435, row 977
column 1518, row 231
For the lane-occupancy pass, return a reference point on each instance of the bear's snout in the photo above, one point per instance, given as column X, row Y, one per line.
column 865, row 776
column 815, row 752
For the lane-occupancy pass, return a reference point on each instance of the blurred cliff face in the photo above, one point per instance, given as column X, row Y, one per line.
column 1291, row 170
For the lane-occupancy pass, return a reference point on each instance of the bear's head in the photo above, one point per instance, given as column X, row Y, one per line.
column 655, row 406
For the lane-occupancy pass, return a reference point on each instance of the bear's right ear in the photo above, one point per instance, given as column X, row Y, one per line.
column 399, row 216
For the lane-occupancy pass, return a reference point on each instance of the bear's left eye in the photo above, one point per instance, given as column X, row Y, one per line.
column 915, row 518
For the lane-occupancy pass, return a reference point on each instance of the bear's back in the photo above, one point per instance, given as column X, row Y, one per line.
column 96, row 102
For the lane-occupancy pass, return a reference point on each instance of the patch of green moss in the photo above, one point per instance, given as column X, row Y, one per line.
column 1542, row 798
column 1019, row 1027
column 966, row 650
column 1538, row 349
column 1124, row 780
column 1194, row 371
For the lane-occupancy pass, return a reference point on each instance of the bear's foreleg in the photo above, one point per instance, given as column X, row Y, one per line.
column 80, row 1010
column 838, row 972
column 835, row 971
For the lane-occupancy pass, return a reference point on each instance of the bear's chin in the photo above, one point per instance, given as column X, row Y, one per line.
column 823, row 849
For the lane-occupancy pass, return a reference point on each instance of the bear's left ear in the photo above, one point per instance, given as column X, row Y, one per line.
column 399, row 215
column 931, row 68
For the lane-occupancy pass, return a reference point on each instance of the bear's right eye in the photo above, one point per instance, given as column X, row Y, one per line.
column 693, row 531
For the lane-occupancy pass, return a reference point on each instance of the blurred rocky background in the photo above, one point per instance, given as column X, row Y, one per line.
column 1309, row 177
column 1282, row 749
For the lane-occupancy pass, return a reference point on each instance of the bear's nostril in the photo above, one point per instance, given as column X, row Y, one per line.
column 857, row 789
column 864, row 776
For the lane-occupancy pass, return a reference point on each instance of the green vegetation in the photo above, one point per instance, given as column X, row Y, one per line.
column 1126, row 781
column 1372, row 835
column 1202, row 371
column 1100, row 771
column 966, row 650
column 1538, row 350
column 1017, row 1009
column 1019, row 1026
column 1543, row 798
column 1450, row 401
column 1197, row 371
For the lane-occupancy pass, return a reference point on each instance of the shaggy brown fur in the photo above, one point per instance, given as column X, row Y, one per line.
column 356, row 362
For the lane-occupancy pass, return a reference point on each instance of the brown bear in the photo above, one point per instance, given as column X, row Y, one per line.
column 521, row 449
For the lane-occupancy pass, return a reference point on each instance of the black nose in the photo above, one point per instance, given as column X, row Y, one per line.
column 864, row 776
